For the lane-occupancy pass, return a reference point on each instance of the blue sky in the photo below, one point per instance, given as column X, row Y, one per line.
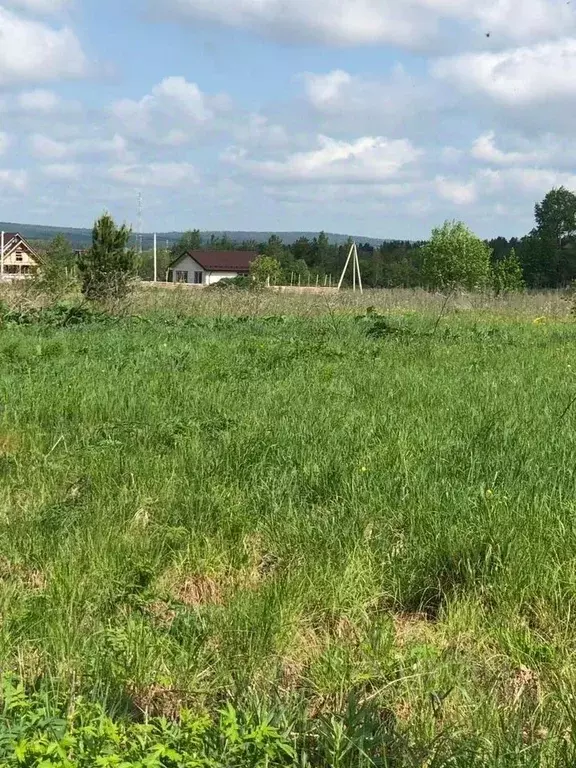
column 373, row 117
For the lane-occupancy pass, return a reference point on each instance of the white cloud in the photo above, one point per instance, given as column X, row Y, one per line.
column 398, row 22
column 47, row 148
column 516, row 77
column 13, row 179
column 5, row 142
column 534, row 182
column 176, row 112
column 485, row 149
column 258, row 129
column 38, row 101
column 456, row 191
column 62, row 171
column 394, row 103
column 154, row 174
column 328, row 91
column 337, row 92
column 544, row 151
column 171, row 114
column 31, row 51
column 370, row 159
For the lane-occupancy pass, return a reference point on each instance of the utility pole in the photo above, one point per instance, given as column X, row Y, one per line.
column 352, row 256
column 139, row 235
column 155, row 257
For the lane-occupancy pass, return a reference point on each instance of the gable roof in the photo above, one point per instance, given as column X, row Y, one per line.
column 11, row 240
column 220, row 261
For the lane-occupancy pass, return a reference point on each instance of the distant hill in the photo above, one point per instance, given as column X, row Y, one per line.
column 80, row 238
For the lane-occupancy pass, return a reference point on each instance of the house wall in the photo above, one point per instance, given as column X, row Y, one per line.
column 19, row 257
column 214, row 277
column 188, row 264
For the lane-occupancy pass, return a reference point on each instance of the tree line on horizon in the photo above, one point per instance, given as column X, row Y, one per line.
column 546, row 255
column 544, row 258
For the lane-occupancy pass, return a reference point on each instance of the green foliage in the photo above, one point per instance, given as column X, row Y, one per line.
column 56, row 277
column 556, row 215
column 34, row 734
column 549, row 252
column 266, row 270
column 455, row 257
column 507, row 275
column 274, row 248
column 60, row 253
column 190, row 241
column 221, row 243
column 59, row 315
column 109, row 265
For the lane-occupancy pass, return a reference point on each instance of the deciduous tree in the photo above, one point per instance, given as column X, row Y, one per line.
column 455, row 257
column 507, row 275
column 266, row 269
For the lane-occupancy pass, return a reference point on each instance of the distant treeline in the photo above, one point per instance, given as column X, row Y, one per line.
column 547, row 255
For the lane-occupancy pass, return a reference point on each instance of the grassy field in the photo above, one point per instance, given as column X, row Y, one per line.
column 355, row 527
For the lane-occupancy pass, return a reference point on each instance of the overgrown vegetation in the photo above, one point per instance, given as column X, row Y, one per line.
column 332, row 538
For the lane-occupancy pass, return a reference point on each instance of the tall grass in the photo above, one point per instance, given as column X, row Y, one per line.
column 305, row 511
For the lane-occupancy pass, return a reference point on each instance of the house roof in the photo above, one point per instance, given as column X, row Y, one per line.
column 11, row 240
column 220, row 261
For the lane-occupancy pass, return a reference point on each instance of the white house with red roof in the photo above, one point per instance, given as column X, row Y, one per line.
column 208, row 267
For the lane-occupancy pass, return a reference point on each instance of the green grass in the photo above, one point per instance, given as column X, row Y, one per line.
column 328, row 519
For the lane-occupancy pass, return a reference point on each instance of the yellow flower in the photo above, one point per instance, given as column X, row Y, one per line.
column 363, row 469
column 489, row 493
column 539, row 320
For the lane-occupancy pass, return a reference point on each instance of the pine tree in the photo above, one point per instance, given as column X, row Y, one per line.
column 109, row 265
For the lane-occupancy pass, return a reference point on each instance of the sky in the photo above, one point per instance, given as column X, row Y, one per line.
column 380, row 118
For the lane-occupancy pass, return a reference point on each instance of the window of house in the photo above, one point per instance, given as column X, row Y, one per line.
column 181, row 276
column 19, row 257
column 198, row 278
